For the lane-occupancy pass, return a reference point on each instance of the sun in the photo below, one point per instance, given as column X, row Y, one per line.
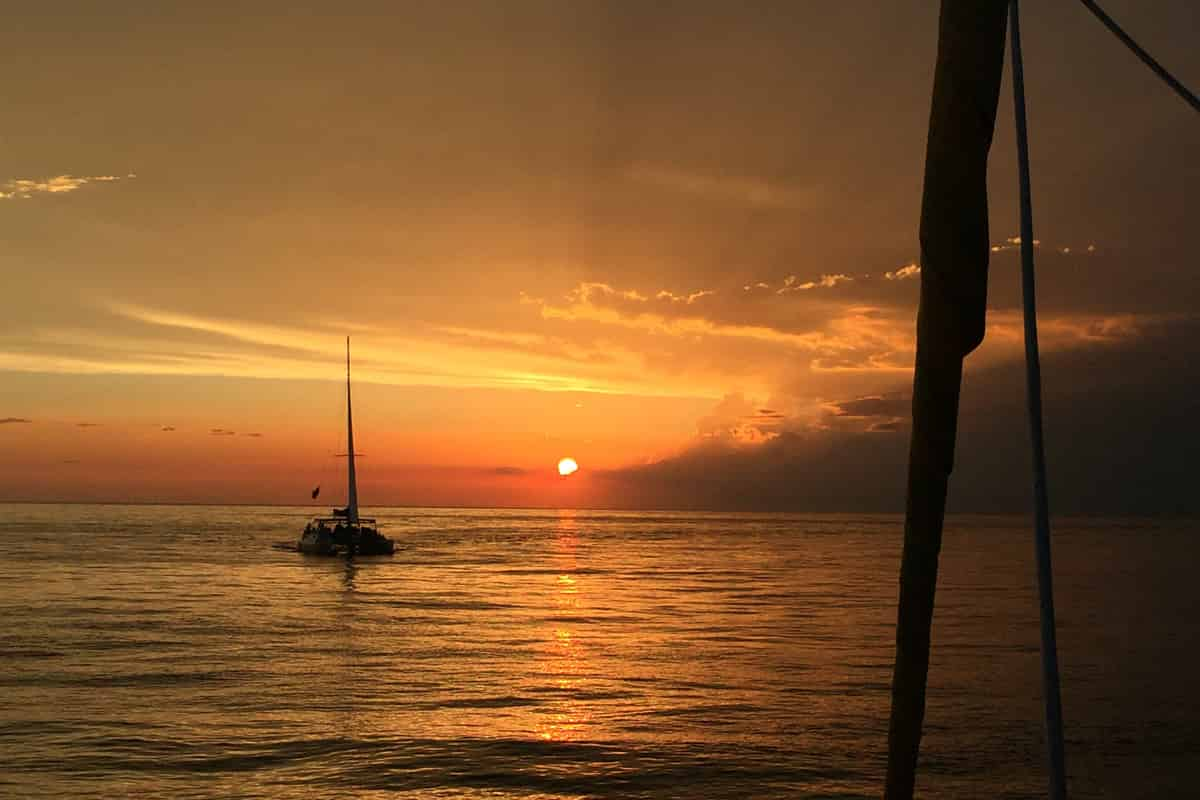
column 567, row 466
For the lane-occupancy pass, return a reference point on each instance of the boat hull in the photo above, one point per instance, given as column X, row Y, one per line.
column 343, row 538
column 317, row 543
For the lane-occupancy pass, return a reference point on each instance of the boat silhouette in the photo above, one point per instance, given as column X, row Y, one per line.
column 344, row 532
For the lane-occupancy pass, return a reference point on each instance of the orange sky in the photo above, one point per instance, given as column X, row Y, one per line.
column 624, row 234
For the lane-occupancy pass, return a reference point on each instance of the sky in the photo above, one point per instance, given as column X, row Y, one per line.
column 674, row 241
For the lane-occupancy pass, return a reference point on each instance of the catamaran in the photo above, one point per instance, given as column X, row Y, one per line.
column 345, row 532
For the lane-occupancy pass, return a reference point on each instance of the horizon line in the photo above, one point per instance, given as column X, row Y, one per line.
column 676, row 510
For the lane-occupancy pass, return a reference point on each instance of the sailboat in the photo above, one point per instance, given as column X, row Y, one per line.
column 345, row 532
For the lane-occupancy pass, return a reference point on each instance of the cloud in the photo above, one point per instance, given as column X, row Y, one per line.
column 525, row 343
column 824, row 282
column 15, row 421
column 253, row 435
column 903, row 273
column 1120, row 435
column 87, row 424
column 1064, row 331
column 747, row 337
column 26, row 188
column 881, row 405
column 862, row 336
column 70, row 461
column 906, row 272
column 175, row 343
column 221, row 432
column 631, row 301
column 693, row 339
column 512, row 471
column 600, row 308
column 794, row 470
column 735, row 189
column 879, row 413
column 591, row 290
column 686, row 299
column 738, row 420
column 167, row 428
column 588, row 290
column 1012, row 243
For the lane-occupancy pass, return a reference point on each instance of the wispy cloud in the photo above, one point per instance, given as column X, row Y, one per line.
column 508, row 471
column 737, row 420
column 253, row 435
column 846, row 337
column 26, row 188
column 877, row 413
column 15, row 421
column 686, row 299
column 878, row 405
column 590, row 290
column 1073, row 330
column 1012, row 243
column 792, row 284
column 903, row 273
column 436, row 355
column 599, row 302
column 221, row 432
column 87, row 424
column 740, row 189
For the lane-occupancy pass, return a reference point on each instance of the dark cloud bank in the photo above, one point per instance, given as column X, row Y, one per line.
column 1121, row 428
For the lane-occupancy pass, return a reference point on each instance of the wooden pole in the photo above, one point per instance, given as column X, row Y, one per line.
column 950, row 324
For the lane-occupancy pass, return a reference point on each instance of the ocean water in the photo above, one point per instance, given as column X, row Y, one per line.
column 170, row 651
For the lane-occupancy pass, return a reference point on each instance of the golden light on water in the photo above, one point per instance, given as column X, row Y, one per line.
column 567, row 466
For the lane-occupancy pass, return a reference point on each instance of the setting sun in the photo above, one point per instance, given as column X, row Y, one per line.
column 567, row 466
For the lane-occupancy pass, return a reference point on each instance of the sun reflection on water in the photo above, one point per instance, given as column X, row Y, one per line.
column 564, row 658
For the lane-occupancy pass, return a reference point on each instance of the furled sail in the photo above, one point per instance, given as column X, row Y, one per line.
column 352, row 491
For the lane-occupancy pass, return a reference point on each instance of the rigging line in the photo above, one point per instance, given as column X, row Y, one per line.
column 1188, row 95
column 1051, row 697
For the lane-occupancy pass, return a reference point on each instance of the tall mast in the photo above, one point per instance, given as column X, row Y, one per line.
column 352, row 492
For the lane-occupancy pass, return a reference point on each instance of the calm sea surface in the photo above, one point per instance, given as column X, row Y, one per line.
column 170, row 651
